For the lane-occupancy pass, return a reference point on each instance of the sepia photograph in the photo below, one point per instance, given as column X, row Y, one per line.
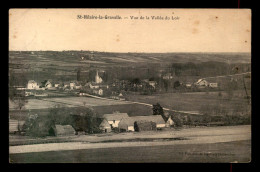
column 129, row 85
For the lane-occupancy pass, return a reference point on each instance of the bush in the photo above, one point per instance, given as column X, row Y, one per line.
column 177, row 121
column 39, row 126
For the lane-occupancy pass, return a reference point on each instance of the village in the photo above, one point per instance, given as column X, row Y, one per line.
column 116, row 90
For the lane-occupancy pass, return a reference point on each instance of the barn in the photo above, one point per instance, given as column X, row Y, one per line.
column 144, row 126
column 114, row 118
column 105, row 126
column 63, row 130
column 128, row 124
column 15, row 125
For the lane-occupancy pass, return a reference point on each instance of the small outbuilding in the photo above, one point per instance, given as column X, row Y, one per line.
column 63, row 130
column 105, row 126
column 144, row 126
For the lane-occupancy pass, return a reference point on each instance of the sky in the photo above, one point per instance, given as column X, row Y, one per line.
column 195, row 30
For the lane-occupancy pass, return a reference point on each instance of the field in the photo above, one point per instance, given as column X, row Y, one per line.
column 200, row 144
column 44, row 103
column 238, row 151
column 195, row 101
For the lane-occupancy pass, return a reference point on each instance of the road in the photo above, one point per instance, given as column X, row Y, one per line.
column 192, row 136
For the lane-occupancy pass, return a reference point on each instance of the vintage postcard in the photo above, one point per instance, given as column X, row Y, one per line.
column 129, row 85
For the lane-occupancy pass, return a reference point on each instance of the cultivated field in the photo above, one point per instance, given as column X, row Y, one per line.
column 44, row 103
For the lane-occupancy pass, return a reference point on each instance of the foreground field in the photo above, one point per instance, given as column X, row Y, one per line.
column 238, row 151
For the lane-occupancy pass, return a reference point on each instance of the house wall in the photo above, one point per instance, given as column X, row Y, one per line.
column 160, row 125
column 130, row 128
column 114, row 124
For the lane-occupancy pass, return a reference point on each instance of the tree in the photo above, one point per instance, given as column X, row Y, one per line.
column 158, row 110
column 17, row 96
column 176, row 84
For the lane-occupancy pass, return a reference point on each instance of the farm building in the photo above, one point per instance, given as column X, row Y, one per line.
column 127, row 124
column 48, row 84
column 105, row 126
column 62, row 130
column 32, row 84
column 169, row 122
column 15, row 125
column 144, row 126
column 114, row 118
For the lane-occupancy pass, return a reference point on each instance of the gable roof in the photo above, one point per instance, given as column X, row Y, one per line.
column 31, row 81
column 154, row 118
column 64, row 130
column 104, row 123
column 115, row 116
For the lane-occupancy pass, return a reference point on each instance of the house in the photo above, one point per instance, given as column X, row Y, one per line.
column 56, row 85
column 48, row 84
column 169, row 122
column 202, row 83
column 213, row 85
column 32, row 84
column 78, row 86
column 98, row 79
column 98, row 91
column 105, row 126
column 127, row 124
column 168, row 76
column 188, row 85
column 93, row 86
column 66, row 84
column 15, row 125
column 72, row 85
column 152, row 83
column 114, row 118
column 63, row 130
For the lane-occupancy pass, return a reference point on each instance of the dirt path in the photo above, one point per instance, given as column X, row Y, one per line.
column 200, row 136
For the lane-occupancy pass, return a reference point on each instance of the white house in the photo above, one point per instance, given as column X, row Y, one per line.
column 56, row 85
column 168, row 76
column 188, row 85
column 202, row 82
column 114, row 118
column 213, row 85
column 152, row 83
column 72, row 85
column 98, row 91
column 48, row 84
column 32, row 85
